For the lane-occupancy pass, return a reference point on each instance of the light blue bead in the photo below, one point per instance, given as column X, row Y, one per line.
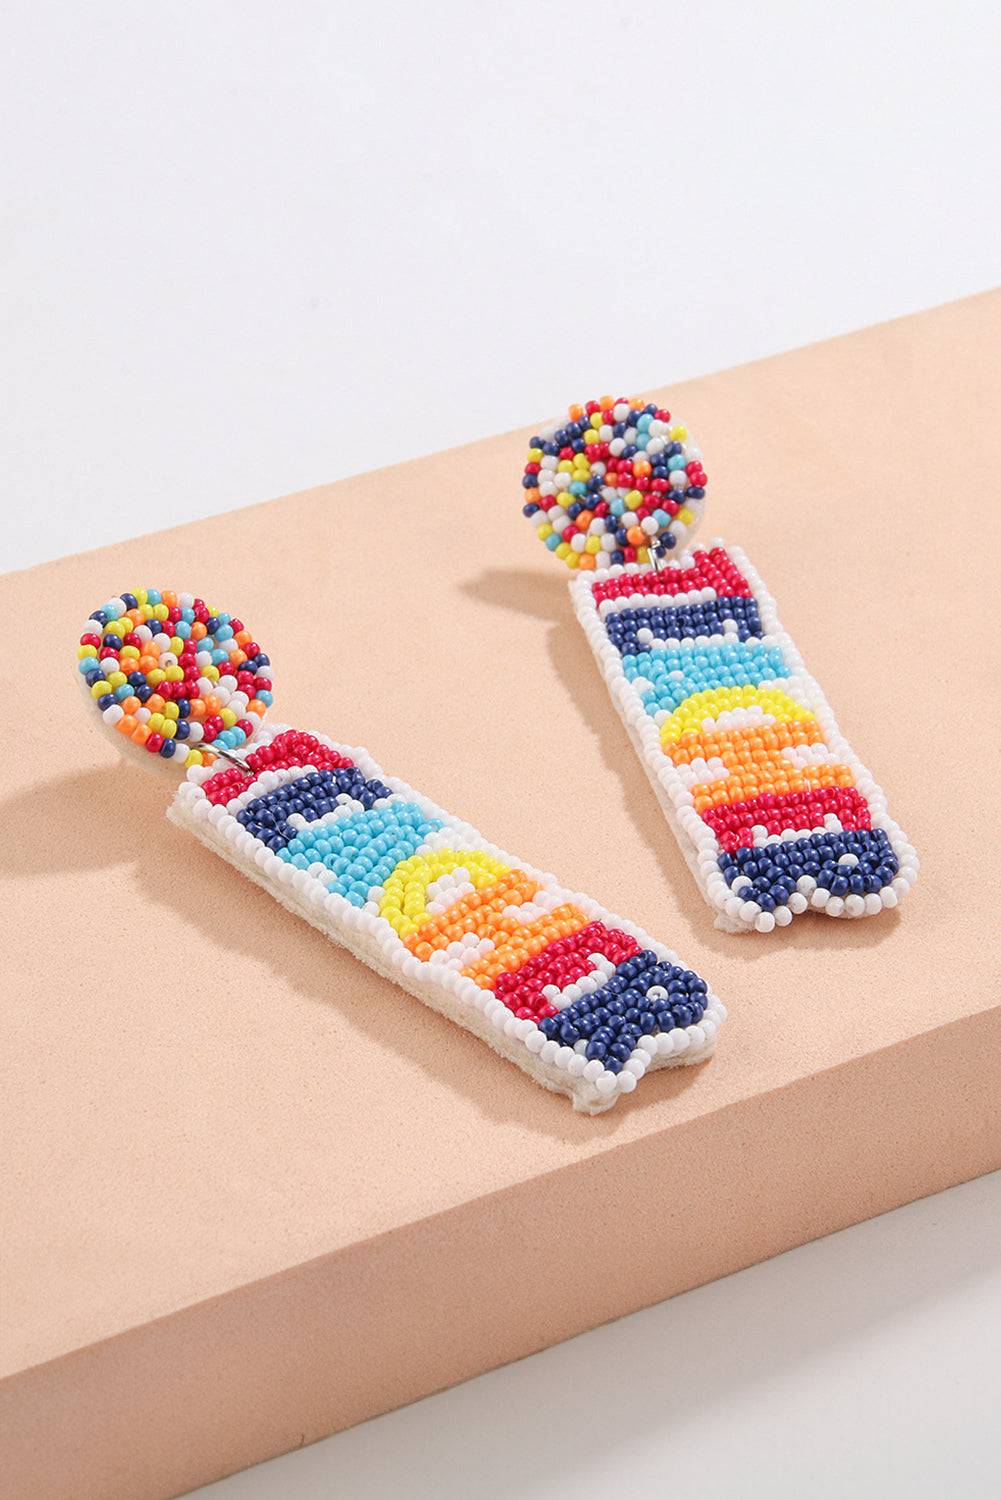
column 677, row 462
column 88, row 664
column 266, row 697
column 153, row 597
column 182, row 629
column 552, row 542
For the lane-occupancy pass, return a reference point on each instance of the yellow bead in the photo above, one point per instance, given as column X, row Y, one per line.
column 679, row 432
column 564, row 466
column 99, row 689
column 228, row 717
column 544, row 530
column 643, row 555
column 175, row 674
column 176, row 645
column 129, row 651
column 160, row 612
column 535, row 455
column 194, row 758
column 634, row 500
column 117, row 679
column 168, row 729
column 155, row 722
column 155, row 677
column 563, row 549
column 212, row 673
column 573, row 561
column 686, row 516
column 141, row 597
column 171, row 711
column 592, row 545
column 82, row 651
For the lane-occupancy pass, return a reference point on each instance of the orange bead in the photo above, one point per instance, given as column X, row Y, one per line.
column 576, row 412
column 198, row 710
column 129, row 706
column 140, row 734
column 586, row 563
column 198, row 631
column 148, row 663
column 636, row 536
column 127, row 725
column 243, row 638
column 212, row 703
column 169, row 598
column 154, row 703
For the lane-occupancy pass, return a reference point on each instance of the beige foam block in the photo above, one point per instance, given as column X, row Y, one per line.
column 254, row 1193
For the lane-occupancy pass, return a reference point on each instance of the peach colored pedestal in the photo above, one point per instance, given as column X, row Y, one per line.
column 254, row 1193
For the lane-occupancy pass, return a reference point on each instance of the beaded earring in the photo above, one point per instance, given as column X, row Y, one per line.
column 774, row 812
column 582, row 1000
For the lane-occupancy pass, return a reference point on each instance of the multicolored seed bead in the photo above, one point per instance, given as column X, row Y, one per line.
column 620, row 476
column 174, row 675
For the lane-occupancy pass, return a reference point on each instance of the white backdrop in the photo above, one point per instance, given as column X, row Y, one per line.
column 251, row 247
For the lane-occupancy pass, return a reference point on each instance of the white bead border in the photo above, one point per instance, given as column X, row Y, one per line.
column 591, row 1087
column 697, row 840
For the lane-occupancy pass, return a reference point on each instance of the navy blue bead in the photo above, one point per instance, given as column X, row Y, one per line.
column 144, row 692
column 106, row 700
column 129, row 600
column 316, row 793
column 167, row 749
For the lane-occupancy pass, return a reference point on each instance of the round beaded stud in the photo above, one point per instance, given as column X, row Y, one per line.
column 620, row 481
column 174, row 676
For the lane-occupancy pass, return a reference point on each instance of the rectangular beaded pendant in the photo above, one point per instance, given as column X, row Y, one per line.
column 582, row 1000
column 773, row 810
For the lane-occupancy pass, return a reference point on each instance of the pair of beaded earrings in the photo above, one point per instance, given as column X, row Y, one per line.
column 773, row 810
